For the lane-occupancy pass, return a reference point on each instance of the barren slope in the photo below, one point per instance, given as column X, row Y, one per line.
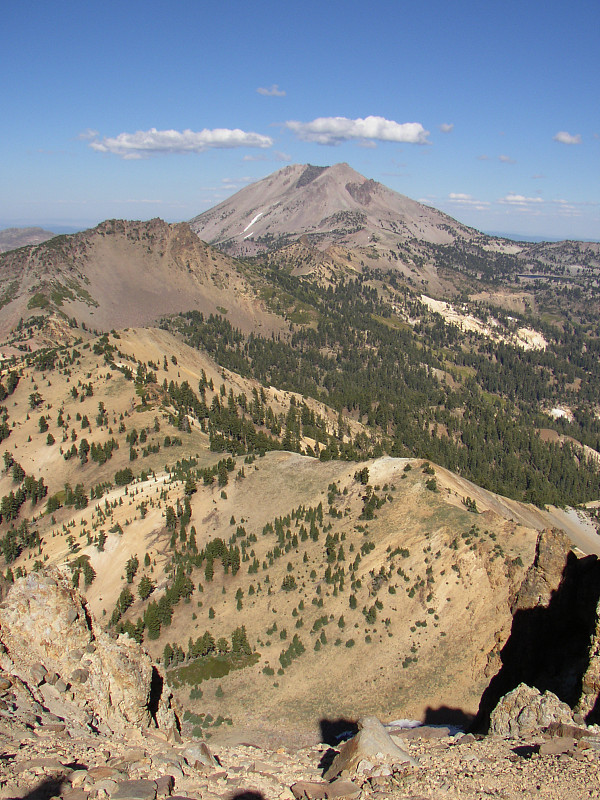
column 398, row 593
column 330, row 205
column 127, row 273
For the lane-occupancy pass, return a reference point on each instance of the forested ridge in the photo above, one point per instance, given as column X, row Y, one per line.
column 430, row 390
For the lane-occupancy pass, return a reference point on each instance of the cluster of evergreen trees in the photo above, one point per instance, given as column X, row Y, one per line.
column 206, row 645
column 29, row 489
column 483, row 423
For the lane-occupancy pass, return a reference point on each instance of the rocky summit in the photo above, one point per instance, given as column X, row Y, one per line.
column 86, row 716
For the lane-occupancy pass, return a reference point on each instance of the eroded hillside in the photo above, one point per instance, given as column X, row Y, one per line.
column 126, row 273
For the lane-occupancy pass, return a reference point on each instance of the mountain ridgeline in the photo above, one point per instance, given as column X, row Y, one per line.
column 330, row 306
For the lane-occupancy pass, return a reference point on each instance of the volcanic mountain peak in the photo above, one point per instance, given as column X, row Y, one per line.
column 329, row 205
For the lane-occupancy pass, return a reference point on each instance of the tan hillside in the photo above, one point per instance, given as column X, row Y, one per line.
column 432, row 581
column 88, row 715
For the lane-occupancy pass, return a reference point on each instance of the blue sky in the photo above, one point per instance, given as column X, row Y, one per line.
column 489, row 111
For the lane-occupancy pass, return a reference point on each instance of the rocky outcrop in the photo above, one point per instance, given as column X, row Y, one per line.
column 554, row 643
column 546, row 572
column 589, row 702
column 50, row 640
column 525, row 711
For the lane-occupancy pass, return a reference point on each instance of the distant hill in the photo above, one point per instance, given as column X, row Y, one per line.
column 11, row 238
column 326, row 221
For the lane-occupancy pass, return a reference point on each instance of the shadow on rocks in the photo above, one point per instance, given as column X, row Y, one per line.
column 327, row 759
column 526, row 750
column 51, row 787
column 548, row 646
column 334, row 731
column 246, row 795
column 446, row 715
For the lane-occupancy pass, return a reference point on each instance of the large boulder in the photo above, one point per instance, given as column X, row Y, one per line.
column 525, row 710
column 47, row 628
column 373, row 744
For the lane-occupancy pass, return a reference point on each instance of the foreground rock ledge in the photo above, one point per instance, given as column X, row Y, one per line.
column 49, row 639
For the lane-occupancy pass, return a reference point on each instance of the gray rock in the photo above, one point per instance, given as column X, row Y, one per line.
column 164, row 785
column 134, row 754
column 38, row 673
column 53, row 727
column 557, row 746
column 525, row 711
column 560, row 729
column 106, row 785
column 200, row 756
column 306, row 790
column 72, row 615
column 45, row 620
column 420, row 732
column 75, row 794
column 134, row 790
column 80, row 676
column 41, row 764
column 102, row 773
column 372, row 743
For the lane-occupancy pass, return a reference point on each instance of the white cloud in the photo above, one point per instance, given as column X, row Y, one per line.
column 88, row 134
column 447, row 127
column 151, row 143
column 272, row 91
column 506, row 159
column 334, row 130
column 566, row 138
column 512, row 199
column 462, row 199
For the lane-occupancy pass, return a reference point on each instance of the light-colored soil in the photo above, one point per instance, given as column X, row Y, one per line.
column 527, row 338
